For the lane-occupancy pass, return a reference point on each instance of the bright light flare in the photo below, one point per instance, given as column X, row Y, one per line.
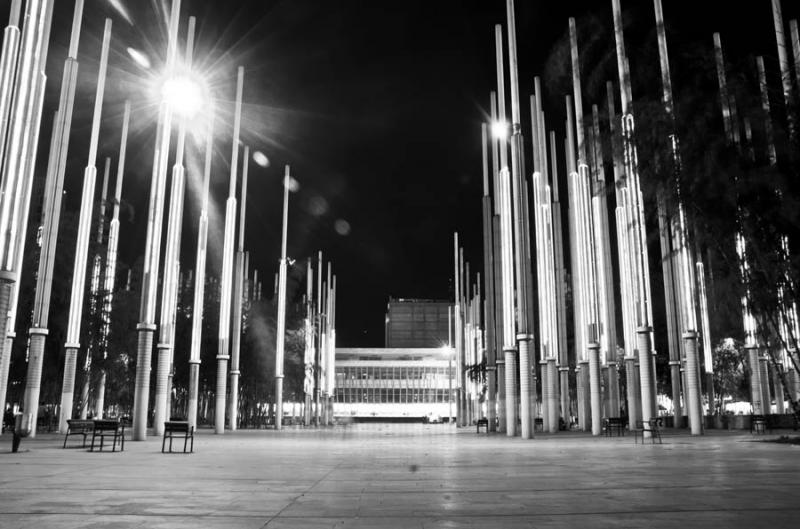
column 139, row 58
column 500, row 130
column 292, row 184
column 122, row 10
column 260, row 159
column 184, row 95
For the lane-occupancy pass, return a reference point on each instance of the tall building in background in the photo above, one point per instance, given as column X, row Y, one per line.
column 416, row 323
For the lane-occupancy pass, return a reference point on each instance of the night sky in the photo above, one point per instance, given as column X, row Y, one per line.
column 377, row 107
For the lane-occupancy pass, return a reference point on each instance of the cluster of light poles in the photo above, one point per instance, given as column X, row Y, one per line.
column 21, row 99
column 509, row 267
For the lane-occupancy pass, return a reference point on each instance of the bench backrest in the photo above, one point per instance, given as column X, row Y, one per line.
column 106, row 425
column 176, row 426
column 80, row 424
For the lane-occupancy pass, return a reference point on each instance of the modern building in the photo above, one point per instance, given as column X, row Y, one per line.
column 417, row 323
column 395, row 383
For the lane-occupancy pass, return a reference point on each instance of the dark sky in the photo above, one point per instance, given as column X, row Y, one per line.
column 376, row 105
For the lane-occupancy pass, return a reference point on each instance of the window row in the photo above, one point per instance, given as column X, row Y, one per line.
column 391, row 373
column 400, row 396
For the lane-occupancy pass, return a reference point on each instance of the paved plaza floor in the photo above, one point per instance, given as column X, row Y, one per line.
column 404, row 476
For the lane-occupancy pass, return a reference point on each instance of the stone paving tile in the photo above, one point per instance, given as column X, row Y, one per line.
column 399, row 476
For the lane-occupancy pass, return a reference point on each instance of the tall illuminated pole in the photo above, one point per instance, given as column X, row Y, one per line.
column 8, row 63
column 200, row 283
column 318, row 343
column 605, row 274
column 521, row 237
column 457, row 328
column 8, row 70
column 238, row 299
column 111, row 259
column 22, row 83
column 94, row 288
column 82, row 245
column 280, row 334
column 488, row 277
column 637, row 238
column 507, row 245
column 587, row 255
column 169, row 291
column 547, row 268
column 223, row 353
column 685, row 273
column 147, row 311
column 308, row 357
column 331, row 347
column 627, row 306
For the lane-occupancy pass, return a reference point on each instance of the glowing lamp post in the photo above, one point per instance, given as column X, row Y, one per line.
column 183, row 94
column 147, row 327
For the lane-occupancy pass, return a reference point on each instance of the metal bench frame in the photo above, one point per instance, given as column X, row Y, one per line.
column 109, row 428
column 182, row 428
column 78, row 427
column 482, row 422
column 653, row 426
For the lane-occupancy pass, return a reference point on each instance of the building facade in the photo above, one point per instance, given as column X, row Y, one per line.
column 395, row 383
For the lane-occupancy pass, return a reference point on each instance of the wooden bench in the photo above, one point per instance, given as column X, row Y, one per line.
column 78, row 427
column 109, row 428
column 178, row 429
column 482, row 422
column 653, row 426
column 759, row 424
column 613, row 424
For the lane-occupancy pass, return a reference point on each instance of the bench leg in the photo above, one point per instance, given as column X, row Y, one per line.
column 191, row 445
column 163, row 442
column 185, row 440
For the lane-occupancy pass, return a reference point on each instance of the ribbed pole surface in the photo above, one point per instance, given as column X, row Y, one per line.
column 552, row 404
column 6, row 285
column 152, row 258
column 645, row 361
column 632, row 391
column 693, row 383
column 511, row 392
column 764, row 371
column 594, row 387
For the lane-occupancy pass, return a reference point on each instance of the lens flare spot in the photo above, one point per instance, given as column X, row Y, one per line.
column 139, row 58
column 342, row 227
column 318, row 206
column 260, row 159
column 293, row 185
